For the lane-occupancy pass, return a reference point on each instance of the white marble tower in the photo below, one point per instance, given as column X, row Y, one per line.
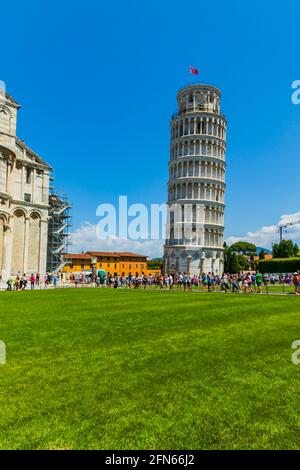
column 196, row 183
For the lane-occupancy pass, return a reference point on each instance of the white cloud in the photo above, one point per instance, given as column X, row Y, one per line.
column 267, row 235
column 85, row 238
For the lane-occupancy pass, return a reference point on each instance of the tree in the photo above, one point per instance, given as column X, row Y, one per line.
column 284, row 249
column 234, row 265
column 296, row 250
column 243, row 262
column 275, row 250
column 261, row 254
column 155, row 264
column 227, row 258
column 253, row 264
column 244, row 248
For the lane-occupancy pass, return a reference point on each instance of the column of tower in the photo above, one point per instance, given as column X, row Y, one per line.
column 197, row 179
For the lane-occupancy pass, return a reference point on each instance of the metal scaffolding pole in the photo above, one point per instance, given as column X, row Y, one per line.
column 58, row 232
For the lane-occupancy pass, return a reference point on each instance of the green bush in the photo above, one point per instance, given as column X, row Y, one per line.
column 155, row 264
column 279, row 265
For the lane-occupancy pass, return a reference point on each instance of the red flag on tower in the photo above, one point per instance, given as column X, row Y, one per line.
column 194, row 71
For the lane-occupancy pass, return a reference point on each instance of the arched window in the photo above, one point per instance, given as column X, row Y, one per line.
column 5, row 119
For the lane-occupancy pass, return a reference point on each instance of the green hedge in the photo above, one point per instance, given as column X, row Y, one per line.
column 155, row 264
column 279, row 265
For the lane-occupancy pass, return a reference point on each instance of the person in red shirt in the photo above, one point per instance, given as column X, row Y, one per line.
column 32, row 281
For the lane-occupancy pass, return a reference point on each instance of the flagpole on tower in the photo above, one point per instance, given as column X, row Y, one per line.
column 193, row 71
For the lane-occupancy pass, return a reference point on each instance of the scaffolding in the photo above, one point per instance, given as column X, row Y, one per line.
column 58, row 232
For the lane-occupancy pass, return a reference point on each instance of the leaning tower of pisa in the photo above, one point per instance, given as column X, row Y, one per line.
column 196, row 183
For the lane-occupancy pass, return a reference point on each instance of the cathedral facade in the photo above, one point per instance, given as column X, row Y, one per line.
column 24, row 199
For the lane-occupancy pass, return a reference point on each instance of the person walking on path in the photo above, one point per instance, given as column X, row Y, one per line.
column 259, row 281
column 32, row 281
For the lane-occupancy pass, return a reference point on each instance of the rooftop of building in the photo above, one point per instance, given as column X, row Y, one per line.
column 116, row 254
column 113, row 254
column 77, row 256
column 10, row 99
column 33, row 154
column 198, row 86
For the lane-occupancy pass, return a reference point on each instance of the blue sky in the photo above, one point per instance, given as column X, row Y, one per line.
column 98, row 80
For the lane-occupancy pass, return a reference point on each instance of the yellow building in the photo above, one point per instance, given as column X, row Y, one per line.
column 121, row 263
column 77, row 263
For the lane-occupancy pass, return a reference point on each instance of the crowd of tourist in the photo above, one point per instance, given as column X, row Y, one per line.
column 241, row 282
column 22, row 281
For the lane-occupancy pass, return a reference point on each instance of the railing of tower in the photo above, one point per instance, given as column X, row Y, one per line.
column 201, row 109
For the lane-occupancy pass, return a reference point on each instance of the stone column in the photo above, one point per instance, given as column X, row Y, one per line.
column 221, row 266
column 202, row 260
column 26, row 242
column 189, row 259
column 7, row 253
column 213, row 265
column 166, row 265
column 8, row 182
column 210, row 215
column 45, row 190
column 23, row 176
column 33, row 184
column 43, row 247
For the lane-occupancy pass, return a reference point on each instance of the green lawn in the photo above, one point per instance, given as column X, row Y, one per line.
column 107, row 369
